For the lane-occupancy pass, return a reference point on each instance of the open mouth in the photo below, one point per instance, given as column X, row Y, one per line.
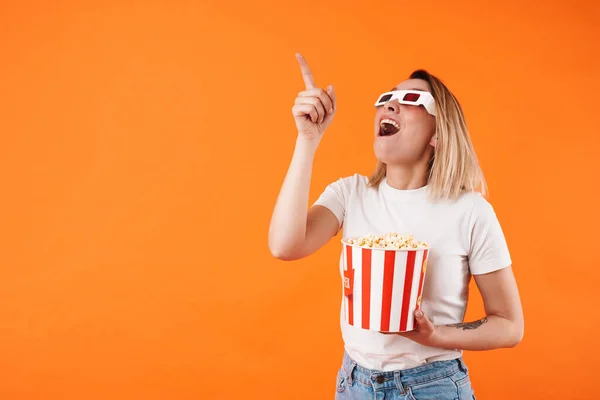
column 388, row 127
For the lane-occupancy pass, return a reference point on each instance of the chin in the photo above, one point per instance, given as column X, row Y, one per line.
column 395, row 157
column 387, row 155
column 387, row 158
column 398, row 153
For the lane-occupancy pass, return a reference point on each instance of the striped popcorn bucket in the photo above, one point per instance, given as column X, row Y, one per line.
column 382, row 287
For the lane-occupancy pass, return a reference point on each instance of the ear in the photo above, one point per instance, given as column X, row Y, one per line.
column 433, row 141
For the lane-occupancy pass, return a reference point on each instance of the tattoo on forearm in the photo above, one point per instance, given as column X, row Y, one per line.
column 470, row 325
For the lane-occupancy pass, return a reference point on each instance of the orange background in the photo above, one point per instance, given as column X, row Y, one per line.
column 143, row 147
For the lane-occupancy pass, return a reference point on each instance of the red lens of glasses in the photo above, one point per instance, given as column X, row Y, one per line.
column 412, row 97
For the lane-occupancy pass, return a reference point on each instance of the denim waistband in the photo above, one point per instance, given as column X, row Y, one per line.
column 401, row 378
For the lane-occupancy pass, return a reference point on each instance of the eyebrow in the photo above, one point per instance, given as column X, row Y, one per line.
column 396, row 88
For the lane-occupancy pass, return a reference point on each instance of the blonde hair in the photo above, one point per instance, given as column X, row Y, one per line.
column 453, row 169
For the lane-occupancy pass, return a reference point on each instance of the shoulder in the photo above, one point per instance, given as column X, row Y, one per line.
column 355, row 183
column 469, row 207
column 478, row 208
column 474, row 202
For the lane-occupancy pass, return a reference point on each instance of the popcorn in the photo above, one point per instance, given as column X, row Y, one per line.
column 391, row 241
column 374, row 299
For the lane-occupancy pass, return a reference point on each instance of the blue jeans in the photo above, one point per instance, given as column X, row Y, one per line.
column 439, row 380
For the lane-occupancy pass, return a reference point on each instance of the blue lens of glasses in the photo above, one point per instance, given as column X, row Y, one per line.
column 385, row 98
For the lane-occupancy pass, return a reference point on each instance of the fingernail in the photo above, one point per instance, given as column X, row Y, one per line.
column 418, row 313
column 331, row 111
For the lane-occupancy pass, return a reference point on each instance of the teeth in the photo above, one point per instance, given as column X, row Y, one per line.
column 391, row 122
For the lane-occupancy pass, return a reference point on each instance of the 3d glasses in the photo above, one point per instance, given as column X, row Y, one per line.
column 409, row 97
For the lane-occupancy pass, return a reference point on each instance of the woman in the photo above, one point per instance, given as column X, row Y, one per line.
column 428, row 183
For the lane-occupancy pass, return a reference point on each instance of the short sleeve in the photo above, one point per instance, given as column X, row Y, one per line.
column 334, row 198
column 488, row 250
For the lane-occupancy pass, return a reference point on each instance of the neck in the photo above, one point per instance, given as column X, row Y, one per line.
column 404, row 177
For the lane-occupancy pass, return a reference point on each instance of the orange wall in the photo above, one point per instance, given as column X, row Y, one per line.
column 143, row 147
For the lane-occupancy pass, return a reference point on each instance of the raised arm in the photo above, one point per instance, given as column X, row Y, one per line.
column 295, row 231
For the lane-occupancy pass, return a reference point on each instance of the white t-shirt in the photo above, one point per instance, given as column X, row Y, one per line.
column 465, row 238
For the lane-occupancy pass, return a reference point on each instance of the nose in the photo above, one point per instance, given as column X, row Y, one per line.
column 392, row 106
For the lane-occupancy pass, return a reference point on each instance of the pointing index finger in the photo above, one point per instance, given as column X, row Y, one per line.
column 309, row 81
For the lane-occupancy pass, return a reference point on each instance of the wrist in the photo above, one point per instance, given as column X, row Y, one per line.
column 307, row 145
column 440, row 338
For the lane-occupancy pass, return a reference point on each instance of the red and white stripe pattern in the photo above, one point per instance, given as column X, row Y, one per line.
column 383, row 287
